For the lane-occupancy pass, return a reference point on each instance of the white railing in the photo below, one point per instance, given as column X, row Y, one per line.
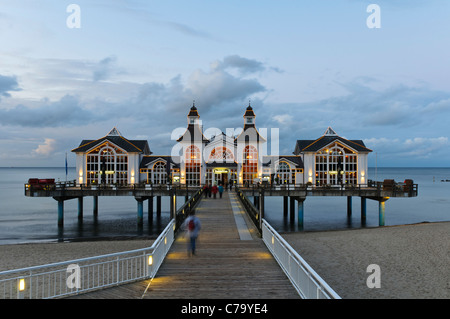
column 306, row 281
column 86, row 274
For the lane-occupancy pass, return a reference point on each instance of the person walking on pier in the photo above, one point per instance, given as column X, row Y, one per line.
column 214, row 191
column 220, row 190
column 192, row 226
column 206, row 190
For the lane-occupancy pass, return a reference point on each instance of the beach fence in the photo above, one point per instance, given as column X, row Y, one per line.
column 86, row 274
column 306, row 281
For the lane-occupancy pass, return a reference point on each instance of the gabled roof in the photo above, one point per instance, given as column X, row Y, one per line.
column 131, row 146
column 294, row 159
column 329, row 137
column 148, row 159
column 193, row 133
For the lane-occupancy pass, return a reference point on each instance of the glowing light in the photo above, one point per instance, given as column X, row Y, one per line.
column 21, row 284
column 150, row 260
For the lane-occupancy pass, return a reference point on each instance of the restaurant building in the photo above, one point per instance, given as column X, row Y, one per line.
column 222, row 159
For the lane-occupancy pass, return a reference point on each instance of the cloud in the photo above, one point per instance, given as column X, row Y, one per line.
column 45, row 149
column 7, row 84
column 104, row 69
column 409, row 148
column 68, row 111
column 212, row 89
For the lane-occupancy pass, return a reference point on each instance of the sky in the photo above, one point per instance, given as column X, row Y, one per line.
column 379, row 75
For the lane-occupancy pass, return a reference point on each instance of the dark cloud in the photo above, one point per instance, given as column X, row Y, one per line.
column 68, row 111
column 7, row 84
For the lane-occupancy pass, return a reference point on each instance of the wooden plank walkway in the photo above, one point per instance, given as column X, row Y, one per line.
column 229, row 264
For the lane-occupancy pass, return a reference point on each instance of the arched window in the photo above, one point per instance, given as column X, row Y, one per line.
column 107, row 164
column 193, row 165
column 159, row 173
column 336, row 165
column 283, row 173
column 250, row 164
column 221, row 154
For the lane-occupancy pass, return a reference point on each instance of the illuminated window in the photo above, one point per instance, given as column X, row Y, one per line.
column 221, row 154
column 250, row 164
column 159, row 173
column 107, row 164
column 193, row 165
column 336, row 165
column 284, row 173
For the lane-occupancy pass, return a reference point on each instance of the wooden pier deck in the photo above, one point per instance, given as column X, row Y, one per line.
column 232, row 262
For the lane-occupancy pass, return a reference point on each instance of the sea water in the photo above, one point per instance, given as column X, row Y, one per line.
column 26, row 219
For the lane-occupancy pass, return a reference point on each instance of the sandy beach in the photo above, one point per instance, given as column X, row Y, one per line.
column 414, row 259
column 27, row 255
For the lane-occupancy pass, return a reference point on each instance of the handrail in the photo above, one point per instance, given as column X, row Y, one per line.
column 305, row 280
column 51, row 280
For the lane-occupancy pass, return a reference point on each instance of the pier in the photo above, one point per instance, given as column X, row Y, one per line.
column 232, row 262
column 293, row 195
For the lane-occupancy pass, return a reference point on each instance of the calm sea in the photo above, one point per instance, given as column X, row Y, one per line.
column 24, row 219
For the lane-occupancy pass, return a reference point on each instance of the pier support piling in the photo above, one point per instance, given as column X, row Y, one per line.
column 60, row 212
column 80, row 208
column 381, row 210
column 95, row 205
column 158, row 206
column 300, row 213
column 285, row 206
column 140, row 211
column 292, row 209
column 363, row 209
column 150, row 210
column 349, row 206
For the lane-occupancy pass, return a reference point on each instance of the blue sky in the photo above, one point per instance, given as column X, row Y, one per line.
column 305, row 65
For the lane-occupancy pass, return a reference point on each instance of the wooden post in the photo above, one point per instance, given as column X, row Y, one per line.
column 261, row 208
column 173, row 204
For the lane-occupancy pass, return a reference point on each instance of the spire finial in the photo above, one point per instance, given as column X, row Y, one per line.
column 193, row 103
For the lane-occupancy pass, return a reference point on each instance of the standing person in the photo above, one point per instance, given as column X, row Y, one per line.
column 214, row 191
column 220, row 190
column 205, row 190
column 192, row 226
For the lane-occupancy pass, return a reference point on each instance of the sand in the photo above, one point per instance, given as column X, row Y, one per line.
column 414, row 260
column 36, row 254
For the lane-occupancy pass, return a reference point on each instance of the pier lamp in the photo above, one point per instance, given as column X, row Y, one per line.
column 20, row 288
column 150, row 260
column 150, row 265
